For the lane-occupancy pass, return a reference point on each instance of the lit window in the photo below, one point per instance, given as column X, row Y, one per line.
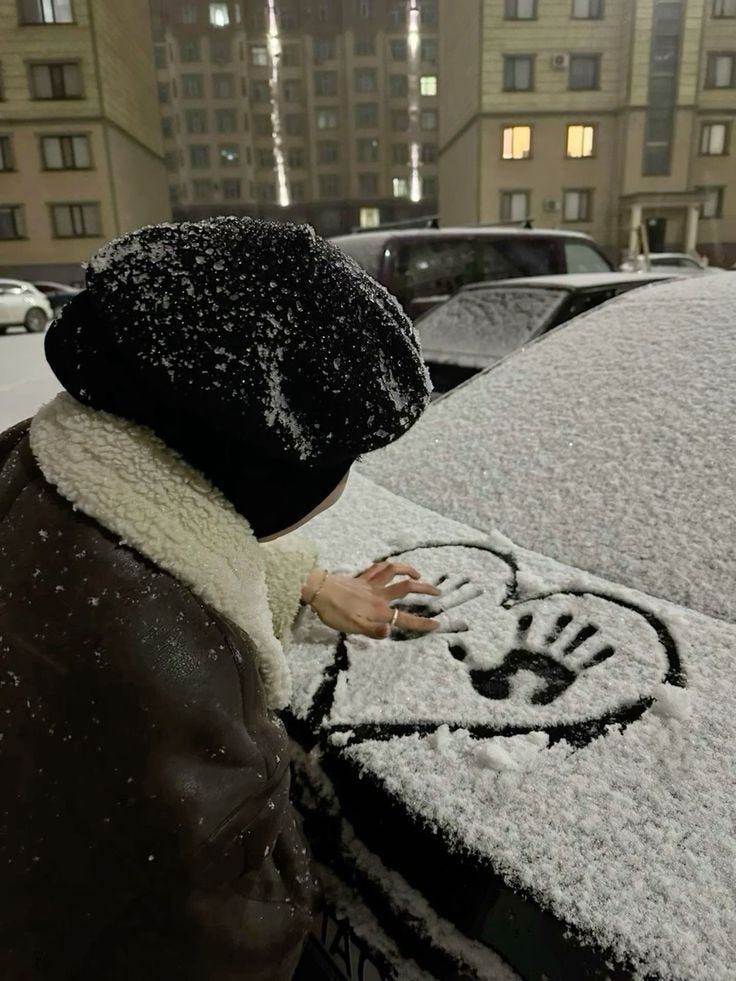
column 229, row 155
column 428, row 85
column 428, row 119
column 713, row 139
column 576, row 205
column 219, row 16
column 45, row 12
column 580, row 141
column 514, row 205
column 400, row 187
column 517, row 142
column 326, row 119
column 259, row 56
column 370, row 217
column 65, row 152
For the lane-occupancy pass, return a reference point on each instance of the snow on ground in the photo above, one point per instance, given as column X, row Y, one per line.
column 608, row 445
column 26, row 381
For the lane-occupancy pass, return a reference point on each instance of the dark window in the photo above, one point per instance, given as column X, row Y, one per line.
column 364, row 8
column 514, row 206
column 428, row 119
column 261, row 92
column 231, row 190
column 714, row 139
column 398, row 49
column 7, row 161
column 325, row 83
column 195, row 121
column 428, row 13
column 399, row 153
column 291, row 56
column 428, row 51
column 518, row 73
column 262, row 125
column 226, row 120
column 329, row 186
column 325, row 49
column 367, row 184
column 721, row 70
column 189, row 50
column 429, row 153
column 294, row 123
column 11, row 221
column 295, row 158
column 221, row 51
column 75, row 220
column 188, row 13
column 327, row 152
column 428, row 268
column 429, row 187
column 399, row 120
column 365, row 79
column 585, row 71
column 366, row 115
column 587, row 9
column 192, row 86
column 521, row 9
column 59, row 80
column 367, row 150
column 293, row 90
column 583, row 258
column 712, row 207
column 223, row 86
column 577, row 205
column 167, row 127
column 164, row 92
column 398, row 86
column 264, row 158
column 365, row 44
column 199, row 155
column 202, row 188
column 398, row 13
column 724, row 8
column 45, row 12
column 297, row 192
column 65, row 153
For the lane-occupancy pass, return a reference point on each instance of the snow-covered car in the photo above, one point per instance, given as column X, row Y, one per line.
column 22, row 305
column 543, row 789
column 680, row 262
column 484, row 322
column 58, row 294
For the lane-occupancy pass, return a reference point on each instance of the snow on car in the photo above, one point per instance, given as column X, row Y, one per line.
column 23, row 305
column 543, row 788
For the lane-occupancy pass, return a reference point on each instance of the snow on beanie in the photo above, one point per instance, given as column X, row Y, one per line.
column 260, row 352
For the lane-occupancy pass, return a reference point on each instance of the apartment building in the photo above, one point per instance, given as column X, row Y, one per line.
column 81, row 159
column 597, row 115
column 325, row 112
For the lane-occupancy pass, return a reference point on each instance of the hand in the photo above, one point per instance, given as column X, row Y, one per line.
column 361, row 604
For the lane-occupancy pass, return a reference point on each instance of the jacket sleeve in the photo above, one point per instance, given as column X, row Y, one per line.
column 288, row 563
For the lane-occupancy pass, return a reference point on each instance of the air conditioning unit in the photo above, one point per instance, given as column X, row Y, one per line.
column 550, row 205
column 560, row 62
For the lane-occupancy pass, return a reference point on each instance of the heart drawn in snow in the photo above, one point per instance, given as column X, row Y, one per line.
column 567, row 663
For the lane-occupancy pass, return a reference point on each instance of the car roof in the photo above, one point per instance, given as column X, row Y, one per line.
column 575, row 281
column 15, row 282
column 472, row 231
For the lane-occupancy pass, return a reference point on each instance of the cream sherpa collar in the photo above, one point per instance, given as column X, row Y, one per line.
column 129, row 481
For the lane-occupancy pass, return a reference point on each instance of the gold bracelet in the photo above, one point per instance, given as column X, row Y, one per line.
column 318, row 590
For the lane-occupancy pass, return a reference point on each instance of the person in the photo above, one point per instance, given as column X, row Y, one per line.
column 220, row 379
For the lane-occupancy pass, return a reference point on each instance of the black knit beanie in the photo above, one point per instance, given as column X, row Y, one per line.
column 264, row 355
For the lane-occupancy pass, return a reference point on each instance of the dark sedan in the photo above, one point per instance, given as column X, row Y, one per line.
column 484, row 322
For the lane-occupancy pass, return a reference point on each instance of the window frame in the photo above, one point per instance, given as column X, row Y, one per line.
column 505, row 194
column 722, row 16
column 19, row 222
column 60, row 63
column 587, row 193
column 720, row 191
column 594, row 56
column 426, row 78
column 508, row 60
column 510, row 128
column 600, row 6
column 53, row 205
column 42, row 22
column 7, row 154
column 710, row 70
column 375, row 115
column 44, row 137
column 708, row 126
column 511, row 10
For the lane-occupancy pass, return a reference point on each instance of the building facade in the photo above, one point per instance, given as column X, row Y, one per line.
column 325, row 112
column 81, row 158
column 594, row 115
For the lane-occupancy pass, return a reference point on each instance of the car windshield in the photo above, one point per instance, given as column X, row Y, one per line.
column 675, row 260
column 486, row 323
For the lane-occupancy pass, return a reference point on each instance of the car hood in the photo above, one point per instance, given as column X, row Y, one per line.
column 607, row 445
column 605, row 804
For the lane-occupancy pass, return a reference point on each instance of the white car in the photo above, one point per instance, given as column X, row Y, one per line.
column 23, row 305
column 679, row 262
column 545, row 787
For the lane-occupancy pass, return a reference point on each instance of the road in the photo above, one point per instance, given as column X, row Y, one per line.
column 26, row 381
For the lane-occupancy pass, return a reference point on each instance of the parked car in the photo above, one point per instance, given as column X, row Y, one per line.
column 681, row 262
column 484, row 322
column 22, row 305
column 58, row 294
column 423, row 267
column 544, row 788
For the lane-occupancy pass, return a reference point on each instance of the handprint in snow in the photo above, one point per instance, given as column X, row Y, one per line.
column 557, row 667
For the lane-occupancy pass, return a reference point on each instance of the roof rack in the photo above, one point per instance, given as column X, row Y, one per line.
column 425, row 221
